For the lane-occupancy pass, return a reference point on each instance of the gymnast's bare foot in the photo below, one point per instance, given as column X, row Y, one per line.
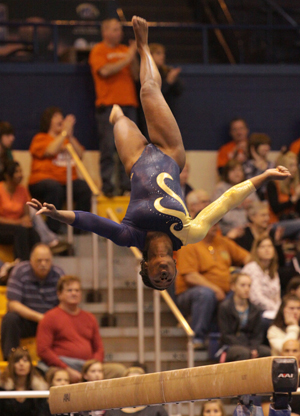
column 115, row 114
column 140, row 28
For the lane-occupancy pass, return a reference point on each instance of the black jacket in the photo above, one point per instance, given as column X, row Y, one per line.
column 231, row 332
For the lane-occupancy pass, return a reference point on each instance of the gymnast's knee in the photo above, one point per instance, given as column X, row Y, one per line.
column 149, row 88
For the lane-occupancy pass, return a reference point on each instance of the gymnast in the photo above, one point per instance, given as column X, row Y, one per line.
column 157, row 220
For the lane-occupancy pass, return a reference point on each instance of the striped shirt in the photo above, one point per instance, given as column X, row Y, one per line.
column 37, row 294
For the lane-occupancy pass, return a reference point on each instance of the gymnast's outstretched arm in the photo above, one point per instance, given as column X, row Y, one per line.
column 87, row 221
column 229, row 200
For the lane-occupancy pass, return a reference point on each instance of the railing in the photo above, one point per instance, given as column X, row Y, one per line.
column 95, row 193
column 203, row 28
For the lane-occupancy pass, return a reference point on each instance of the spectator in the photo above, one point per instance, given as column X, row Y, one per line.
column 69, row 336
column 140, row 410
column 240, row 323
column 265, row 288
column 7, row 137
column 286, row 324
column 235, row 220
column 291, row 347
column 293, row 288
column 92, row 370
column 114, row 68
column 184, row 176
column 20, row 375
column 15, row 223
column 5, row 270
column 56, row 376
column 204, row 279
column 196, row 200
column 213, row 408
column 284, row 198
column 259, row 148
column 31, row 291
column 171, row 86
column 48, row 176
column 237, row 148
column 295, row 147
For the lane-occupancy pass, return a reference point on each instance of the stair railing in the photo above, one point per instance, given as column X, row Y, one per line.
column 95, row 193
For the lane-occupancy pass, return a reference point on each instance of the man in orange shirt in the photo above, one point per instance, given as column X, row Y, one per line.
column 114, row 68
column 237, row 148
column 204, row 278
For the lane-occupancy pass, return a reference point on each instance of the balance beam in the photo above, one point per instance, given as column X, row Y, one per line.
column 256, row 376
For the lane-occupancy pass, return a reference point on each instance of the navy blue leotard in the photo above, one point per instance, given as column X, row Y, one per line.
column 156, row 204
column 141, row 215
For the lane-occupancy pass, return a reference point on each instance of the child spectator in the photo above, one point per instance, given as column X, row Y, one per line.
column 92, row 370
column 286, row 324
column 265, row 288
column 240, row 323
column 213, row 408
column 56, row 376
column 21, row 375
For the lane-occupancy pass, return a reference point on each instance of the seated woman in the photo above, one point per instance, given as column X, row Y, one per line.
column 265, row 288
column 15, row 224
column 240, row 323
column 286, row 324
column 21, row 375
column 48, row 176
column 157, row 220
column 235, row 220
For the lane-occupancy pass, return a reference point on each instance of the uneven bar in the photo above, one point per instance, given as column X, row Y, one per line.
column 257, row 376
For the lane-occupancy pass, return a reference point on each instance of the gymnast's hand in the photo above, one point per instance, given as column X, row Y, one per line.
column 47, row 209
column 280, row 173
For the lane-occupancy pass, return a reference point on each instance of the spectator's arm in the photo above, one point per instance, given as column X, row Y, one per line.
column 24, row 311
column 110, row 69
column 79, row 149
column 56, row 145
column 197, row 279
column 256, row 338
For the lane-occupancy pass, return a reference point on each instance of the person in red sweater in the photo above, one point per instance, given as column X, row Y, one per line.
column 67, row 336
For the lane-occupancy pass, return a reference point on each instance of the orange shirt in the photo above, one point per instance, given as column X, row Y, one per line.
column 213, row 264
column 295, row 147
column 115, row 89
column 13, row 206
column 226, row 152
column 48, row 167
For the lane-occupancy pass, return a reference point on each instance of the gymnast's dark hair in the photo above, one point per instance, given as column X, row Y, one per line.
column 46, row 118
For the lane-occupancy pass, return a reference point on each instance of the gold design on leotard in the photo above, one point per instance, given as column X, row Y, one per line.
column 183, row 216
column 195, row 230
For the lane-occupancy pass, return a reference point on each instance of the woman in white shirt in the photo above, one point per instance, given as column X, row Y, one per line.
column 265, row 288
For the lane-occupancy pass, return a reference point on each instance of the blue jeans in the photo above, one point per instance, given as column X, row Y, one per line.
column 200, row 303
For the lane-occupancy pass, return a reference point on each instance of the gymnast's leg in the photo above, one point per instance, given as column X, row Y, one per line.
column 129, row 141
column 162, row 127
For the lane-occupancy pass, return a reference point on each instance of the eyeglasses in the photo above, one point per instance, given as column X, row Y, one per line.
column 21, row 348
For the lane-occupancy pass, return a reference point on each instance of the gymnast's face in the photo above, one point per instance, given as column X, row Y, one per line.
column 161, row 265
